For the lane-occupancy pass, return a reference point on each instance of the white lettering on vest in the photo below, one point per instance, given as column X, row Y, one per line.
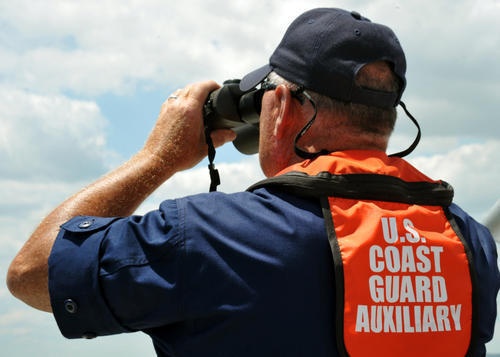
column 406, row 287
column 405, row 259
column 408, row 319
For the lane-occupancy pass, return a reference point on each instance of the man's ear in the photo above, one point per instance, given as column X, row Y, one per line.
column 284, row 102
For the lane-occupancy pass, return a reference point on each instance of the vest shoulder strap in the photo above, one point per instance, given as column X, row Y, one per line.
column 361, row 186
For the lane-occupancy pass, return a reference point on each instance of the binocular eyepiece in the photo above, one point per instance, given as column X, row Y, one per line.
column 230, row 108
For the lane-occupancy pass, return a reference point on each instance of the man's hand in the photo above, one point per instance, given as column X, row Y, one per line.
column 178, row 138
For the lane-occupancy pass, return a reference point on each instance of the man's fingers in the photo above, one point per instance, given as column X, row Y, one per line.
column 222, row 136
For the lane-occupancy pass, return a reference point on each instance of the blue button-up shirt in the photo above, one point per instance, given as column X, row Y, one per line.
column 244, row 274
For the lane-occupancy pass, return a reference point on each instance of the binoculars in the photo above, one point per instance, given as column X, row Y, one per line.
column 230, row 108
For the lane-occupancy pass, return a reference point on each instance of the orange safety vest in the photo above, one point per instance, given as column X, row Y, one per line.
column 403, row 271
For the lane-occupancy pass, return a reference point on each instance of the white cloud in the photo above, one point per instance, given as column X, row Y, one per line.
column 95, row 47
column 21, row 319
column 49, row 136
column 452, row 50
column 474, row 172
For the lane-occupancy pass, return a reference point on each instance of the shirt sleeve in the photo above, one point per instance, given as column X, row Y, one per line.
column 77, row 304
column 484, row 252
column 105, row 277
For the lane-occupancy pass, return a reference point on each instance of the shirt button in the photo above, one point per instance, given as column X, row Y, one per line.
column 70, row 306
column 85, row 224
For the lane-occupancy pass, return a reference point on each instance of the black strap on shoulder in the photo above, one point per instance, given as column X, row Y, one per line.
column 361, row 186
column 339, row 276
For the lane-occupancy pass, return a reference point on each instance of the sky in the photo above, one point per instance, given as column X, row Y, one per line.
column 82, row 82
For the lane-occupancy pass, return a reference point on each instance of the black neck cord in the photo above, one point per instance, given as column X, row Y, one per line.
column 308, row 155
column 417, row 138
column 298, row 151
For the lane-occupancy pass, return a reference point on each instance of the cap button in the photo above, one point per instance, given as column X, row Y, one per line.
column 356, row 15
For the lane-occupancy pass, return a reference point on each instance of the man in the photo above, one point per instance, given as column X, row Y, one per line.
column 343, row 251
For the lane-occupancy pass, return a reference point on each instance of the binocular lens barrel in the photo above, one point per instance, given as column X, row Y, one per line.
column 230, row 108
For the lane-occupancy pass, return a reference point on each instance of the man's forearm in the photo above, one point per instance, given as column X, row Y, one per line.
column 118, row 193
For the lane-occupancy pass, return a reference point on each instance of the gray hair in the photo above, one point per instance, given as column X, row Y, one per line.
column 362, row 117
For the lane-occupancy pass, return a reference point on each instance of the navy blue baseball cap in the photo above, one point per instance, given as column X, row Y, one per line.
column 323, row 50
